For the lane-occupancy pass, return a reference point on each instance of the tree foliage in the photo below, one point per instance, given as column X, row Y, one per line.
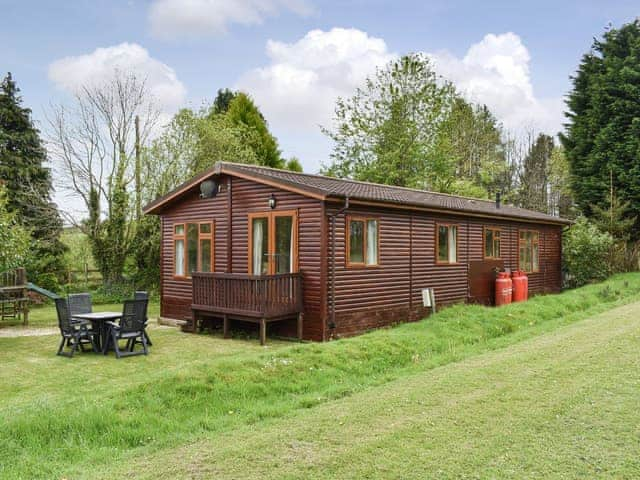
column 14, row 239
column 95, row 142
column 534, row 177
column 469, row 156
column 560, row 194
column 602, row 138
column 407, row 127
column 222, row 101
column 244, row 115
column 28, row 183
column 293, row 164
column 386, row 132
column 586, row 253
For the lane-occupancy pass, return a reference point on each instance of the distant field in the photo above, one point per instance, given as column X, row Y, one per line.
column 78, row 258
column 422, row 399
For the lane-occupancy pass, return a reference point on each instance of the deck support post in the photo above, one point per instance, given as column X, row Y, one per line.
column 225, row 326
column 263, row 331
column 25, row 307
column 300, row 316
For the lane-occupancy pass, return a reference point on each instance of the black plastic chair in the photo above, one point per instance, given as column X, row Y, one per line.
column 141, row 295
column 130, row 328
column 80, row 303
column 75, row 333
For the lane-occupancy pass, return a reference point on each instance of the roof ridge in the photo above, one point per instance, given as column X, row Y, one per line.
column 361, row 182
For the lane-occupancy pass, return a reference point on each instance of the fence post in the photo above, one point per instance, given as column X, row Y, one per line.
column 21, row 276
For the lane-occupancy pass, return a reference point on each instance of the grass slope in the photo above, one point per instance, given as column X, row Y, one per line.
column 561, row 405
column 69, row 418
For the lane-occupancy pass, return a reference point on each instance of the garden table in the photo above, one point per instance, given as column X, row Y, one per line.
column 99, row 323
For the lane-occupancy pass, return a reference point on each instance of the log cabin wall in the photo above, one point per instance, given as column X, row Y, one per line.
column 247, row 197
column 365, row 297
column 391, row 292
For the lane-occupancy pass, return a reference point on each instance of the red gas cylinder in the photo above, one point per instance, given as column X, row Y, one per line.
column 503, row 289
column 520, row 286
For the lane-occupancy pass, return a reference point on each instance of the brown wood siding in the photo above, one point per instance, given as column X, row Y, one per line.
column 365, row 297
column 176, row 292
column 369, row 297
column 247, row 197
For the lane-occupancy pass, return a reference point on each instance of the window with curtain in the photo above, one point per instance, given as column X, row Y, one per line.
column 362, row 244
column 260, row 245
column 447, row 244
column 528, row 253
column 273, row 242
column 193, row 248
column 178, row 249
column 492, row 243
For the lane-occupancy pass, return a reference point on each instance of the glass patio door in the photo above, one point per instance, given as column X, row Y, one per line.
column 273, row 242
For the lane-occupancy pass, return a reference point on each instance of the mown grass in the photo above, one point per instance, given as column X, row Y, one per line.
column 560, row 405
column 93, row 411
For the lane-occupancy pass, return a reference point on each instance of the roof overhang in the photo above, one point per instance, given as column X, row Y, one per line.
column 156, row 207
column 450, row 211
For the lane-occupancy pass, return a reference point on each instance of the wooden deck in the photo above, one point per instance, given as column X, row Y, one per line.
column 255, row 298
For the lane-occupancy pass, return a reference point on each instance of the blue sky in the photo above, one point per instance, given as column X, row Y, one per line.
column 296, row 56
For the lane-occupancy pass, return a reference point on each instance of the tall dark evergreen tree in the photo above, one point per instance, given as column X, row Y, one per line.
column 28, row 182
column 534, row 179
column 243, row 113
column 602, row 139
column 222, row 101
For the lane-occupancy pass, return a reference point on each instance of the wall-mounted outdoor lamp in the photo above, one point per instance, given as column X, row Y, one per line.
column 272, row 201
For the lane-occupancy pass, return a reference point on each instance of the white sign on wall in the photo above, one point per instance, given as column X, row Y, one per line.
column 426, row 297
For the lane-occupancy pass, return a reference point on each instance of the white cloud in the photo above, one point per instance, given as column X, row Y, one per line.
column 73, row 73
column 299, row 87
column 193, row 18
column 495, row 72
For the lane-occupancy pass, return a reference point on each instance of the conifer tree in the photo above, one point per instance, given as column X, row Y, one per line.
column 602, row 139
column 534, row 180
column 28, row 182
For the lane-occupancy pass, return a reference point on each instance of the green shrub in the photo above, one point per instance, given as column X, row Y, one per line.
column 14, row 240
column 145, row 270
column 48, row 281
column 586, row 254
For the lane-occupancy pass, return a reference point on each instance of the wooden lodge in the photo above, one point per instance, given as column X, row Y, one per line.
column 321, row 257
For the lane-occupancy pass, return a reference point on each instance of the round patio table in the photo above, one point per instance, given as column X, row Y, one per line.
column 99, row 323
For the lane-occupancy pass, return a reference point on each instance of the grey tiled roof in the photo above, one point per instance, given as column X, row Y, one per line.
column 342, row 188
column 329, row 187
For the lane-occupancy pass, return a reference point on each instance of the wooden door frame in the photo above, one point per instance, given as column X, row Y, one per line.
column 271, row 215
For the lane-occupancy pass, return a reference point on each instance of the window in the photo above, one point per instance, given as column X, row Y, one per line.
column 446, row 244
column 492, row 243
column 273, row 242
column 178, row 249
column 529, row 251
column 192, row 248
column 362, row 241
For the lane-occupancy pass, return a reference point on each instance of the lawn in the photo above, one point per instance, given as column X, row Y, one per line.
column 78, row 418
column 562, row 405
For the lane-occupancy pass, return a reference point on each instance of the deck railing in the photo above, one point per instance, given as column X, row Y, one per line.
column 248, row 295
column 16, row 277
